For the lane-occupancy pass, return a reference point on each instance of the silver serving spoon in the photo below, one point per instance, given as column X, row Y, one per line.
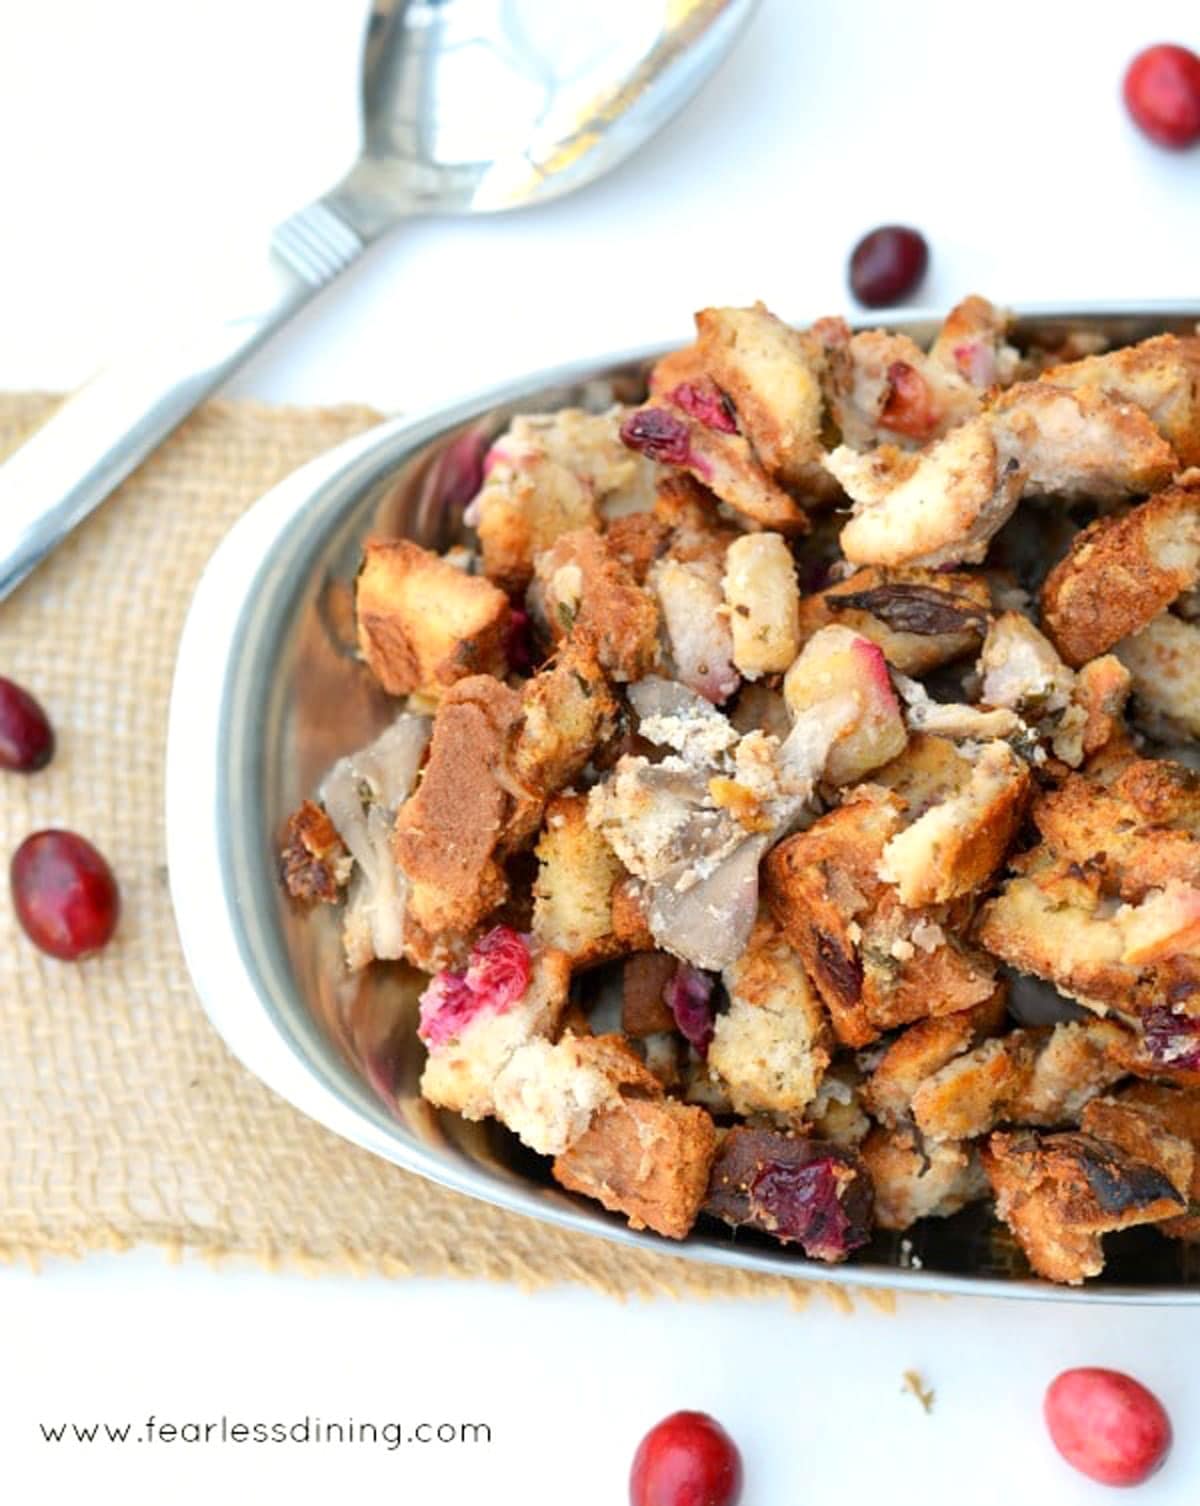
column 468, row 106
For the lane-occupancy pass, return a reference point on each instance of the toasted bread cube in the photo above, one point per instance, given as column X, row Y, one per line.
column 699, row 639
column 1161, row 376
column 1177, row 1113
column 566, row 710
column 836, row 662
column 771, row 1046
column 1059, row 1193
column 913, row 1182
column 969, row 1095
column 631, row 925
column 1121, row 571
column 1073, row 1063
column 423, row 623
column 1022, row 670
column 807, row 1191
column 644, row 1008
column 580, row 584
column 637, row 541
column 924, row 1049
column 919, row 618
column 875, row 964
column 838, row 1113
column 314, row 861
column 647, row 1158
column 461, row 1073
column 1101, row 690
column 1164, row 661
column 972, row 343
column 763, row 601
column 549, row 1093
column 1147, row 1131
column 956, row 846
column 930, row 771
column 577, row 872
column 771, row 373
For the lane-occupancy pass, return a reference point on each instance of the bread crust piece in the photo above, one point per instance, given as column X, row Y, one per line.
column 1120, row 572
column 580, row 584
column 1059, row 1193
column 921, row 619
column 923, row 1049
column 423, row 623
column 644, row 979
column 1164, row 661
column 771, row 1047
column 956, row 846
column 1160, row 375
column 577, row 872
column 771, row 373
column 648, row 1158
column 314, row 862
column 875, row 964
column 1176, row 1112
column 914, row 1181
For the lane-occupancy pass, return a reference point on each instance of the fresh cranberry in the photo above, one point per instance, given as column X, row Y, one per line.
column 802, row 1203
column 688, row 1459
column 887, row 264
column 1172, row 1040
column 26, row 737
column 1107, row 1425
column 909, row 408
column 496, row 976
column 1162, row 93
column 659, row 435
column 64, row 893
column 689, row 998
column 707, row 404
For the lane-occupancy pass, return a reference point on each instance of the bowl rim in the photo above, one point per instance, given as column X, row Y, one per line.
column 212, row 924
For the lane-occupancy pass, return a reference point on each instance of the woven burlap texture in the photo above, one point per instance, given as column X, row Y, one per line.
column 123, row 1118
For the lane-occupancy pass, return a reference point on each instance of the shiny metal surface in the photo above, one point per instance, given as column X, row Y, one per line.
column 468, row 106
column 269, row 692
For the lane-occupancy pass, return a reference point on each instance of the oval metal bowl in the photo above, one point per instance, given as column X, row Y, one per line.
column 268, row 692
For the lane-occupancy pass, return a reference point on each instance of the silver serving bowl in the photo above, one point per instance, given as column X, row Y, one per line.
column 269, row 692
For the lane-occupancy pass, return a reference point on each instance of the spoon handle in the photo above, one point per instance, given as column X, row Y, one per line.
column 107, row 428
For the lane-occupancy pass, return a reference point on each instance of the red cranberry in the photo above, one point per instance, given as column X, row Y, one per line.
column 1107, row 1425
column 26, row 737
column 887, row 265
column 64, row 893
column 1172, row 1040
column 658, row 435
column 689, row 998
column 1162, row 93
column 687, row 1460
column 497, row 974
column 804, row 1203
column 707, row 404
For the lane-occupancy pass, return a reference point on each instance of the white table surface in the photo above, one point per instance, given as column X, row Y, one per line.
column 142, row 141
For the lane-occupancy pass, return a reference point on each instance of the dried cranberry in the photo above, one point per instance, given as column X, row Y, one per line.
column 887, row 265
column 689, row 998
column 1172, row 1040
column 658, row 435
column 26, row 737
column 496, row 976
column 1162, row 93
column 64, row 893
column 707, row 404
column 1107, row 1425
column 802, row 1203
column 518, row 646
column 688, row 1459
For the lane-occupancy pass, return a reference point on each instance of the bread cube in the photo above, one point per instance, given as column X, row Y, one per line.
column 580, row 584
column 577, row 872
column 914, row 1181
column 763, row 599
column 837, row 663
column 1164, row 662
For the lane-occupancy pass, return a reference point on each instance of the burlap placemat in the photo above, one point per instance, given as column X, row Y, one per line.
column 123, row 1119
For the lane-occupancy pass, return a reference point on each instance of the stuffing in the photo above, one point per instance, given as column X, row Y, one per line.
column 549, row 1093
column 807, row 1191
column 1101, row 690
column 423, row 623
column 1121, row 571
column 637, row 540
column 567, row 710
column 771, row 1047
column 1164, row 663
column 1161, row 376
column 648, row 1158
column 698, row 638
column 924, row 1049
column 913, row 1180
column 956, row 719
column 762, row 601
column 836, row 662
column 551, row 474
column 972, row 342
column 956, row 846
column 1073, row 1063
column 921, row 619
column 314, row 863
column 771, row 374
column 1174, row 1113
column 579, row 584
column 875, row 964
column 838, row 1114
column 1145, row 1125
column 1060, row 1193
column 465, row 1061
column 644, row 1007
column 572, row 894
